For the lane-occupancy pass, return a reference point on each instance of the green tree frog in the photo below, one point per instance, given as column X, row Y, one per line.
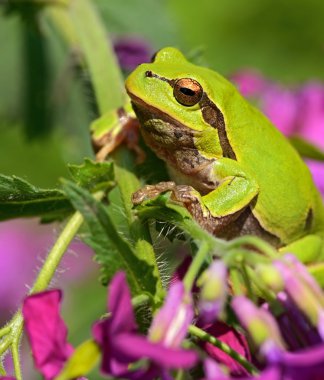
column 232, row 169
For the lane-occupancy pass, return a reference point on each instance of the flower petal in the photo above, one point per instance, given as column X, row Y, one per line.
column 232, row 338
column 47, row 332
column 120, row 305
column 137, row 347
column 170, row 325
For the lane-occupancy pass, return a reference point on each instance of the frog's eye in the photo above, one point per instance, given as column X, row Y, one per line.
column 187, row 91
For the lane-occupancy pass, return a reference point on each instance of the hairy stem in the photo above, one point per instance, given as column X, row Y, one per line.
column 54, row 257
column 201, row 334
column 196, row 265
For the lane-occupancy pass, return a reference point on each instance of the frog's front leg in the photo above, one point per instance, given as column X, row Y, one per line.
column 216, row 210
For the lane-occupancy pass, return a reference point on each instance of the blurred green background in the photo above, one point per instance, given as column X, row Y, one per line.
column 283, row 39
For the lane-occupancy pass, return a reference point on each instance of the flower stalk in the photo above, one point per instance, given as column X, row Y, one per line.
column 201, row 334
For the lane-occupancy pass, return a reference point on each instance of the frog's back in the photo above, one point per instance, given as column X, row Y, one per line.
column 288, row 204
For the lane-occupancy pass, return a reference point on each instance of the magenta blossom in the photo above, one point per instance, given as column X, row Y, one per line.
column 213, row 293
column 121, row 345
column 233, row 339
column 47, row 332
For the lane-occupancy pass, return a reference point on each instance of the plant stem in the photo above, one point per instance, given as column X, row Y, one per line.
column 98, row 54
column 255, row 242
column 195, row 266
column 201, row 334
column 54, row 257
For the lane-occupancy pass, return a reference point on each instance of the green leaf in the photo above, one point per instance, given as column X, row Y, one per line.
column 307, row 149
column 113, row 251
column 18, row 198
column 139, row 233
column 93, row 175
column 82, row 361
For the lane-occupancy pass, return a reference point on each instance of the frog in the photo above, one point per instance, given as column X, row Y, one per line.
column 233, row 170
column 230, row 165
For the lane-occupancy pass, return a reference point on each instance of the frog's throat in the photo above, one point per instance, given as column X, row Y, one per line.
column 211, row 113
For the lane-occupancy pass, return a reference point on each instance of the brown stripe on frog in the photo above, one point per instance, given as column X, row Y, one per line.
column 214, row 117
column 309, row 220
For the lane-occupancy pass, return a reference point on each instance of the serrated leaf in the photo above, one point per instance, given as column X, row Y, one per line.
column 306, row 148
column 18, row 198
column 113, row 252
column 93, row 175
column 82, row 361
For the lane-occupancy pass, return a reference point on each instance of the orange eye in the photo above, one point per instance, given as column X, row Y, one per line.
column 187, row 91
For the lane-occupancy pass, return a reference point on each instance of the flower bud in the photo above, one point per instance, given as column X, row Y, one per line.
column 213, row 283
column 271, row 277
column 259, row 323
column 304, row 291
column 170, row 325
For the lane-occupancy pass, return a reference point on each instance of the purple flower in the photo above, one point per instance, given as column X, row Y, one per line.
column 171, row 323
column 233, row 339
column 47, row 332
column 131, row 52
column 121, row 345
column 303, row 290
column 213, row 294
column 260, row 324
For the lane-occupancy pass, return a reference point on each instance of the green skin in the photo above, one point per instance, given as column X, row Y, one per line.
column 234, row 171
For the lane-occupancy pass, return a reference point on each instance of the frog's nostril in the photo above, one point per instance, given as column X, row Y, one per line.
column 149, row 74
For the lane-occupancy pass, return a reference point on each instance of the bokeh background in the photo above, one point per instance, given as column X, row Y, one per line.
column 45, row 108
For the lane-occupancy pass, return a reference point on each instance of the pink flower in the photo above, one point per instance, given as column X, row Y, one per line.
column 121, row 345
column 46, row 332
column 233, row 339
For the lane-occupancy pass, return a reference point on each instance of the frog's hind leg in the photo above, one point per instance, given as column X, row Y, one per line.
column 309, row 249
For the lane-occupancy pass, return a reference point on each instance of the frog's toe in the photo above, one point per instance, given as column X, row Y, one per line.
column 151, row 191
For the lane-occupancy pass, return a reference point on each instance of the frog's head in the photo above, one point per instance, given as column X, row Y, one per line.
column 178, row 104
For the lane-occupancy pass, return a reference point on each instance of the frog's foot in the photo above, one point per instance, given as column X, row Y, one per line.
column 125, row 130
column 188, row 197
column 152, row 191
column 192, row 200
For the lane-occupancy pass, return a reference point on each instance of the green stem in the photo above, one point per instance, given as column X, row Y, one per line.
column 255, row 242
column 196, row 265
column 4, row 331
column 54, row 257
column 98, row 54
column 201, row 334
column 16, row 361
